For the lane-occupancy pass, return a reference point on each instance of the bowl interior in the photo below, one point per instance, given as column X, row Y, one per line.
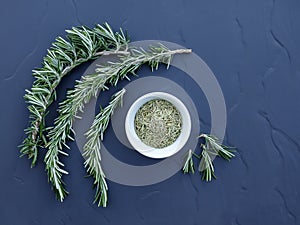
column 148, row 150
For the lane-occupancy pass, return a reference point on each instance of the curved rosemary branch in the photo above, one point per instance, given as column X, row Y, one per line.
column 81, row 45
column 91, row 150
column 89, row 86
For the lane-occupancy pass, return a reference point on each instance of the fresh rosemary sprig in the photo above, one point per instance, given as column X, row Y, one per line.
column 89, row 86
column 91, row 150
column 210, row 149
column 81, row 45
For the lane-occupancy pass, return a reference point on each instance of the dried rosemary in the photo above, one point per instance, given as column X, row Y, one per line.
column 158, row 123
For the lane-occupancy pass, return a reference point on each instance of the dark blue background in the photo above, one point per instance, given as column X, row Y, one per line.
column 252, row 47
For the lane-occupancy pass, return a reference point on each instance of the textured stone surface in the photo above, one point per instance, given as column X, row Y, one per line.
column 253, row 48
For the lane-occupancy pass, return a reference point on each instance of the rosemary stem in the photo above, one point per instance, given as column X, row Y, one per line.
column 173, row 52
column 125, row 52
column 180, row 51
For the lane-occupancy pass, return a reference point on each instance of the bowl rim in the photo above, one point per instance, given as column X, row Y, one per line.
column 149, row 151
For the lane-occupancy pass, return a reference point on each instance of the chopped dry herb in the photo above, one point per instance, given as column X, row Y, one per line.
column 158, row 123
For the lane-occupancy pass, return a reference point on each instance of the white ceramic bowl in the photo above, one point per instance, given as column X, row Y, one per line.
column 149, row 151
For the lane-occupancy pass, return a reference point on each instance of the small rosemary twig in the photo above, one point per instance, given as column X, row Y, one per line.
column 210, row 149
column 214, row 148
